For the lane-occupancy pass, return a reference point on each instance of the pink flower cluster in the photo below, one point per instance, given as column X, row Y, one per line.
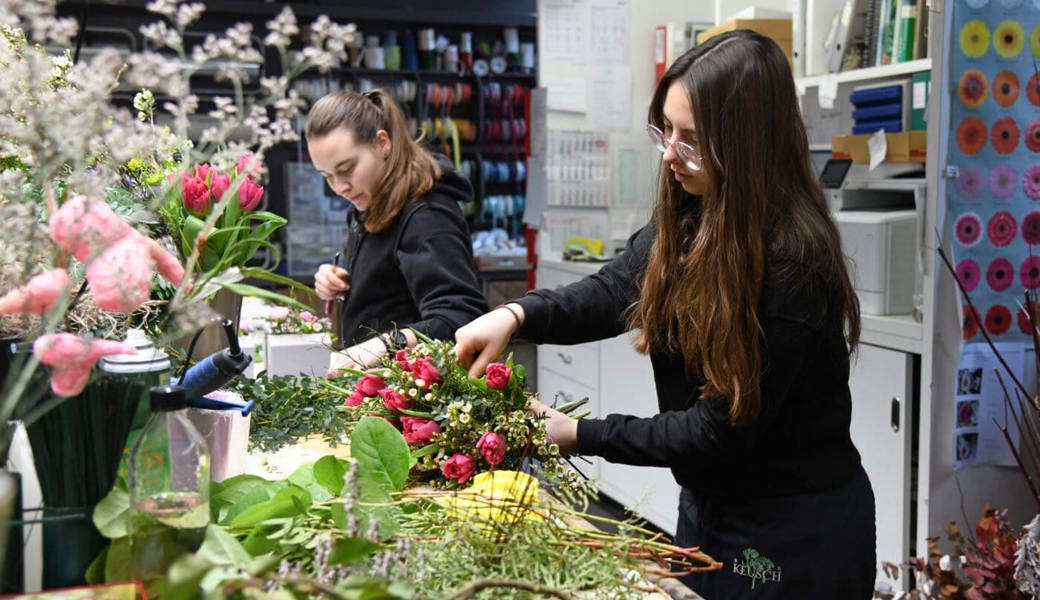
column 119, row 259
column 203, row 186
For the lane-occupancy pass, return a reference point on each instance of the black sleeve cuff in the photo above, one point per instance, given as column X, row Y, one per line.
column 590, row 436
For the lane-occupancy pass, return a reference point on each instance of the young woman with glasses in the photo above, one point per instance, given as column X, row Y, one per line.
column 740, row 295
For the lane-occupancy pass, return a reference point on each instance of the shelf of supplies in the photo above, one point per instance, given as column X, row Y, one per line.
column 903, row 68
column 899, row 332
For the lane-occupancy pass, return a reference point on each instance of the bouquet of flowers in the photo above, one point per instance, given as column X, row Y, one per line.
column 457, row 426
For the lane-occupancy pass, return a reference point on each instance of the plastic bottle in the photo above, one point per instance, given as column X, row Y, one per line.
column 135, row 374
column 169, row 489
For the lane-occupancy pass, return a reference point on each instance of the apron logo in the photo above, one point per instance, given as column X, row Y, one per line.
column 757, row 567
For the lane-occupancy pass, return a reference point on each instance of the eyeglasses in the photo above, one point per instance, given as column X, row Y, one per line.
column 686, row 153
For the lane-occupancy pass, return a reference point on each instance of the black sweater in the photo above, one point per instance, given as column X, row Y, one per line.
column 800, row 442
column 416, row 273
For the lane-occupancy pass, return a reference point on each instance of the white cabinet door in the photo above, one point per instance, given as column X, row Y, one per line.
column 882, row 397
column 627, row 387
column 553, row 386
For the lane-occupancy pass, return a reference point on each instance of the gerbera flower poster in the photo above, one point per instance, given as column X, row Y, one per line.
column 994, row 203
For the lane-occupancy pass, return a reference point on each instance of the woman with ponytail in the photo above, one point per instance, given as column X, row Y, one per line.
column 739, row 292
column 408, row 260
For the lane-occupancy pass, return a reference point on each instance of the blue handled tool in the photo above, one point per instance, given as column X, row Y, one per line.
column 212, row 372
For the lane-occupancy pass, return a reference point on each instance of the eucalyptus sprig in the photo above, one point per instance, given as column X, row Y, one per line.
column 291, row 407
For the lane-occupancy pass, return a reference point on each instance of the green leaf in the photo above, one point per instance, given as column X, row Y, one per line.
column 330, row 472
column 304, row 478
column 252, row 291
column 381, row 452
column 256, row 495
column 117, row 561
column 111, row 515
column 95, row 573
column 184, row 577
column 350, row 549
column 257, row 543
column 221, row 548
column 233, row 490
column 339, row 515
column 286, row 503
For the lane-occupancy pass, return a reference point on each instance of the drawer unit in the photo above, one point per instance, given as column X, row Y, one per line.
column 579, row 363
column 552, row 386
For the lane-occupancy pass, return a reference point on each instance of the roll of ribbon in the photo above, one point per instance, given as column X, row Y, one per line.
column 527, row 57
column 487, row 170
column 374, row 58
column 505, row 130
column 409, row 53
column 480, row 67
column 512, row 37
column 503, row 170
column 498, row 65
column 392, row 57
column 451, row 58
column 521, row 170
column 494, row 91
column 427, row 50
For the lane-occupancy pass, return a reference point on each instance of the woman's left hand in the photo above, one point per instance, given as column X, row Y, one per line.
column 360, row 356
column 561, row 429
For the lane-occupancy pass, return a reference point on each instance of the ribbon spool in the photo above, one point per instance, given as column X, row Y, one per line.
column 409, row 54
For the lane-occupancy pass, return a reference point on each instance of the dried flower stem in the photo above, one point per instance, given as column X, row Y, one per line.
column 471, row 589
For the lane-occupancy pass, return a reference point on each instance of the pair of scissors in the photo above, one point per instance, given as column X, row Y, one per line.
column 329, row 303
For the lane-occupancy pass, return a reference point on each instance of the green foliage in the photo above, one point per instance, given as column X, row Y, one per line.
column 291, row 407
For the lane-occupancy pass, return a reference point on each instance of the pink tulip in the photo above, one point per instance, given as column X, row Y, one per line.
column 202, row 172
column 355, row 398
column 249, row 195
column 249, row 164
column 38, row 295
column 307, row 316
column 219, row 183
column 394, row 401
column 71, row 358
column 492, row 447
column 497, row 376
column 85, row 224
column 424, row 369
column 195, row 194
column 370, row 384
column 278, row 313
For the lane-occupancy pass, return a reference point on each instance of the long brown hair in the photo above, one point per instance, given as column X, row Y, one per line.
column 705, row 274
column 410, row 170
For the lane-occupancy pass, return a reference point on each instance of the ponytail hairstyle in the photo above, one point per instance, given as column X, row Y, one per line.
column 706, row 269
column 410, row 170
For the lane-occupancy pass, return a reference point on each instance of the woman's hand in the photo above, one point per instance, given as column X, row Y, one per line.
column 359, row 357
column 482, row 340
column 330, row 282
column 561, row 429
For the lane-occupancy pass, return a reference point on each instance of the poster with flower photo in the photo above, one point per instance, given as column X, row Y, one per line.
column 994, row 203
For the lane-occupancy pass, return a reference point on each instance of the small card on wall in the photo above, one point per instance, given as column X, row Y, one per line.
column 980, row 408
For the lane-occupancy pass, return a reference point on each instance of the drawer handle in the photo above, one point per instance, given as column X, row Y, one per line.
column 895, row 415
column 566, row 358
column 567, row 398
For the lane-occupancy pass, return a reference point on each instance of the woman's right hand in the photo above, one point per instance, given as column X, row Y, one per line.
column 482, row 341
column 330, row 282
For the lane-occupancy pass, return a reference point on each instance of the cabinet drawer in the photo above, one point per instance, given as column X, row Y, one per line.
column 549, row 278
column 580, row 363
column 555, row 387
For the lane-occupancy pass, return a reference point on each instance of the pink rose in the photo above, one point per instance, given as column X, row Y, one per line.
column 395, row 401
column 307, row 316
column 422, row 369
column 249, row 195
column 492, row 447
column 417, row 430
column 218, row 185
column 278, row 313
column 497, row 376
column 355, row 398
column 370, row 384
column 195, row 194
column 459, row 467
column 401, row 358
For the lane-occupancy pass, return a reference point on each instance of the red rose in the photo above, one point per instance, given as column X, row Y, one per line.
column 401, row 358
column 422, row 369
column 195, row 194
column 497, row 376
column 219, row 184
column 370, row 384
column 394, row 401
column 459, row 467
column 417, row 430
column 355, row 398
column 492, row 447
